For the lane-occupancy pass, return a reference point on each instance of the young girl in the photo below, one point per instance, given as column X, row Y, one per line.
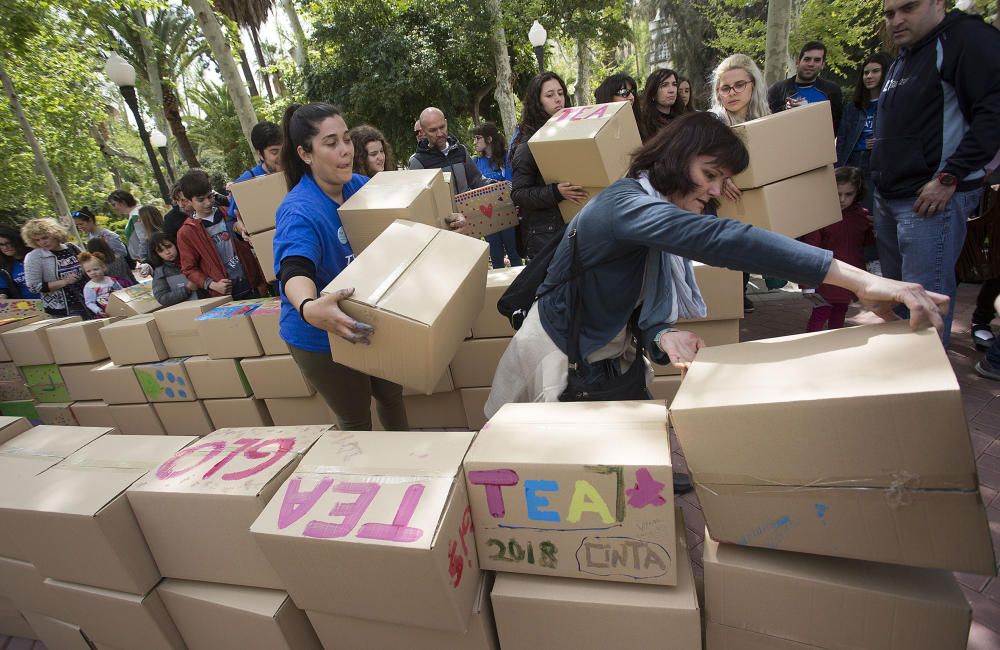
column 117, row 266
column 100, row 287
column 170, row 286
column 847, row 239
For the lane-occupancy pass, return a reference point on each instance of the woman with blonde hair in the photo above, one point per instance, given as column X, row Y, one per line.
column 739, row 93
column 52, row 268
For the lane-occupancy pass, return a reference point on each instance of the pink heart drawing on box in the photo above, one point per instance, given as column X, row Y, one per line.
column 487, row 210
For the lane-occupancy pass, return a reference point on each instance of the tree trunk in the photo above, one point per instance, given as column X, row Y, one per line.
column 248, row 73
column 582, row 95
column 504, row 91
column 300, row 53
column 776, row 45
column 480, row 94
column 155, row 79
column 261, row 63
column 171, row 106
column 216, row 38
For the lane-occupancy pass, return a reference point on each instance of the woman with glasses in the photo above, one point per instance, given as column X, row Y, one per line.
column 660, row 102
column 857, row 126
column 12, row 253
column 620, row 88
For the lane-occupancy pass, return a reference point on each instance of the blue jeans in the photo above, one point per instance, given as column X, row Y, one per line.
column 924, row 249
column 502, row 242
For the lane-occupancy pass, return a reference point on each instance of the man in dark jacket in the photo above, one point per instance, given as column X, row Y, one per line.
column 438, row 150
column 180, row 210
column 806, row 87
column 937, row 127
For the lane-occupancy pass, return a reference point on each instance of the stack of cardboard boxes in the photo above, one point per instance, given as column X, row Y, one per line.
column 259, row 199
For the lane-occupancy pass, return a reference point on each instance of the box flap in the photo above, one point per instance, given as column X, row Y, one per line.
column 391, row 189
column 388, row 453
column 578, row 122
column 263, row 602
column 130, row 321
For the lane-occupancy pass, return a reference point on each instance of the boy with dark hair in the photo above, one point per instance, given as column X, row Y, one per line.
column 213, row 256
column 266, row 140
column 180, row 210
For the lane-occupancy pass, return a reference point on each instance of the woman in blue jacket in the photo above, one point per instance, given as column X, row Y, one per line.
column 491, row 159
column 857, row 126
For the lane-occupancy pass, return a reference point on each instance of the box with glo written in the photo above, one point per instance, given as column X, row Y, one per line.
column 258, row 200
column 196, row 508
column 227, row 332
column 579, row 490
column 132, row 301
column 792, row 207
column 400, row 517
column 487, row 209
column 851, row 443
column 421, row 288
column 179, row 329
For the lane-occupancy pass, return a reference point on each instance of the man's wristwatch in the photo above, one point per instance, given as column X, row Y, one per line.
column 946, row 179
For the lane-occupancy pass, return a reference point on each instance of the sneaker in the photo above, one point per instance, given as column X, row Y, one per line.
column 984, row 369
column 747, row 305
column 982, row 336
column 682, row 483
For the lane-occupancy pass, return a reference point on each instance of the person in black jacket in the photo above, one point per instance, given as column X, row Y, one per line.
column 438, row 150
column 180, row 209
column 806, row 87
column 537, row 200
column 938, row 125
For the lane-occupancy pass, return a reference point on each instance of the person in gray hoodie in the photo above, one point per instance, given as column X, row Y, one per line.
column 170, row 286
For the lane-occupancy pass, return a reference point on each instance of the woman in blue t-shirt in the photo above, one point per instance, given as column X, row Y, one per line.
column 12, row 252
column 491, row 159
column 856, row 135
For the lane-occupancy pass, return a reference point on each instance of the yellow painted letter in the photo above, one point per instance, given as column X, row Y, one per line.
column 587, row 499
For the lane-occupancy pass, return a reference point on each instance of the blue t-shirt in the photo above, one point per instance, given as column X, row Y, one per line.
column 17, row 275
column 810, row 93
column 245, row 176
column 308, row 226
column 868, row 130
column 486, row 169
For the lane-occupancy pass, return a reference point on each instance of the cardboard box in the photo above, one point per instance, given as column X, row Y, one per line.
column 258, row 199
column 134, row 340
column 217, row 378
column 278, row 376
column 722, row 290
column 45, row 383
column 166, row 381
column 10, row 372
column 77, row 508
column 14, row 320
column 58, row 414
column 534, row 612
column 79, row 380
column 263, row 248
column 664, row 389
column 58, row 634
column 24, row 586
column 476, row 362
column 409, row 526
column 589, row 491
column 437, row 411
column 568, row 209
column 489, row 324
column 444, row 385
column 297, row 411
column 587, row 145
column 211, row 616
column 13, row 623
column 137, row 420
column 792, row 207
column 826, row 602
column 418, row 195
column 786, row 144
column 28, row 345
column 474, row 403
column 184, row 418
column 487, row 209
column 94, row 413
column 178, row 327
column 867, row 458
column 22, row 409
column 712, row 332
column 720, row 637
column 227, row 332
column 132, row 301
column 13, row 391
column 265, row 321
column 239, row 412
column 195, row 510
column 78, row 342
column 420, row 288
column 12, row 308
column 118, row 384
column 11, row 427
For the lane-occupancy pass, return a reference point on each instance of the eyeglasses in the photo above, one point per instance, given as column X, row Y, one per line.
column 6, row 244
column 736, row 88
column 625, row 92
column 478, row 137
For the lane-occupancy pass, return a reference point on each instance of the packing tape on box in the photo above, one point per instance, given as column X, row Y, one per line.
column 98, row 465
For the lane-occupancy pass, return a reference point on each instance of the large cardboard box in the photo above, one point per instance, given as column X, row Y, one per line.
column 94, row 413
column 534, row 612
column 166, row 381
column 118, row 384
column 238, row 412
column 712, row 332
column 258, row 199
column 792, row 207
column 78, row 508
column 14, row 319
column 474, row 402
column 184, row 418
column 476, row 362
column 45, row 383
column 179, row 329
column 420, row 288
column 79, row 380
column 277, row 376
column 580, row 490
column 11, row 427
column 57, row 414
column 263, row 248
column 227, row 332
column 400, row 517
column 722, row 290
column 664, row 389
column 196, row 508
column 13, row 624
column 137, row 420
column 211, row 617
column 78, row 342
column 437, row 411
column 786, row 144
column 851, row 443
column 826, row 602
column 23, row 585
column 57, row 634
column 10, row 372
column 132, row 301
column 296, row 411
column 217, row 378
column 419, row 195
column 444, row 385
column 265, row 321
column 28, row 345
column 487, row 209
column 13, row 391
column 489, row 324
column 134, row 340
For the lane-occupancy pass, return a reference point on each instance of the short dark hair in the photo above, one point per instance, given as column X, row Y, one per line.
column 14, row 236
column 155, row 242
column 195, row 182
column 649, row 110
column 498, row 148
column 852, row 176
column 812, row 45
column 533, row 116
column 264, row 135
column 85, row 214
column 121, row 196
column 667, row 156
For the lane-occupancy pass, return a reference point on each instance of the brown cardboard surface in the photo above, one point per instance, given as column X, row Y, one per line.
column 403, row 520
column 94, row 413
column 277, row 376
column 78, row 508
column 78, row 342
column 13, row 623
column 10, row 372
column 664, row 389
column 57, row 414
column 258, row 199
column 444, row 385
column 487, row 209
column 568, row 209
column 238, row 412
column 28, row 345
column 785, row 144
column 420, row 288
column 581, row 490
column 476, row 362
column 137, row 420
column 265, row 322
column 534, row 612
column 792, row 207
column 832, row 602
column 419, row 195
column 184, row 418
column 178, row 328
column 196, row 508
column 11, row 427
column 56, row 634
column 79, row 380
column 869, row 459
column 14, row 391
column 134, row 340
column 489, row 324
column 586, row 145
column 263, row 248
column 722, row 290
column 16, row 318
column 712, row 332
column 437, row 411
column 474, row 402
column 227, row 332
column 166, row 381
column 211, row 616
column 217, row 378
column 296, row 411
column 132, row 301
column 721, row 637
column 118, row 384
column 24, row 586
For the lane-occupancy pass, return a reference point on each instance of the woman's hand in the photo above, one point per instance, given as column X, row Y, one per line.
column 881, row 294
column 572, row 193
column 680, row 347
column 458, row 223
column 325, row 313
column 730, row 191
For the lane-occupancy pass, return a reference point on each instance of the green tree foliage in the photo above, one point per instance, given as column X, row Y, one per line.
column 222, row 148
column 850, row 29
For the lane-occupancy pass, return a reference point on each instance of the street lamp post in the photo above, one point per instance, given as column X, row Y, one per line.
column 123, row 75
column 159, row 140
column 537, row 36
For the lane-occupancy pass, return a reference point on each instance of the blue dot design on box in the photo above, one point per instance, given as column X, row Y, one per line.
column 176, row 386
